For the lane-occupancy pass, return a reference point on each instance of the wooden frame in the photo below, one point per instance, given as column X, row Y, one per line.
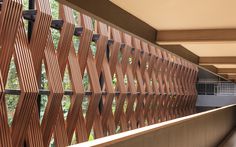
column 151, row 85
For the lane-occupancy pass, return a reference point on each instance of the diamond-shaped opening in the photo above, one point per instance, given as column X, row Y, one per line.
column 146, row 123
column 147, row 65
column 76, row 16
column 85, row 104
column 86, row 99
column 91, row 136
column 93, row 48
column 44, row 80
column 114, row 106
column 12, row 79
column 12, row 84
column 126, row 101
column 26, row 25
column 43, row 104
column 26, row 7
column 86, row 81
column 66, row 98
column 118, row 129
column 52, row 142
column 66, row 80
column 125, row 105
column 74, row 139
column 125, row 79
column 119, row 56
column 65, row 105
column 93, row 23
column 104, row 89
column 150, row 82
column 114, row 80
column 109, row 52
column 135, row 104
column 11, row 103
column 135, row 82
column 55, row 37
column 25, row 4
column 130, row 60
column 76, row 41
column 54, row 9
column 87, row 88
column 44, row 86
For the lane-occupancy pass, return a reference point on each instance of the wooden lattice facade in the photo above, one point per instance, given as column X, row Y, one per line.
column 152, row 85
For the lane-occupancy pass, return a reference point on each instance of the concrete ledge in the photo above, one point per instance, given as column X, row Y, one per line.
column 202, row 129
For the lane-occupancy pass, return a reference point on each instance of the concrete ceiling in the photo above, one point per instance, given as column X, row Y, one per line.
column 212, row 49
column 182, row 15
column 225, row 65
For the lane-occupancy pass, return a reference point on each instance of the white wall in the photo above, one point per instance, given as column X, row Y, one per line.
column 215, row 101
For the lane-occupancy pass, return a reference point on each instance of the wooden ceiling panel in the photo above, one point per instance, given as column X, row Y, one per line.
column 211, row 68
column 204, row 35
column 182, row 14
column 226, row 70
column 217, row 60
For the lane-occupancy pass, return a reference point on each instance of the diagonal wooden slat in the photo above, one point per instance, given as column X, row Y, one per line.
column 153, row 76
column 29, row 89
column 53, row 108
column 146, row 76
column 63, row 49
column 149, row 84
column 116, row 68
column 5, row 136
column 9, row 22
column 104, row 69
column 128, row 69
column 139, row 110
column 86, row 60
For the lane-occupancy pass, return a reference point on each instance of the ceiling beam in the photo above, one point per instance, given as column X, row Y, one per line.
column 217, row 60
column 232, row 77
column 224, row 75
column 201, row 35
column 226, row 70
column 182, row 52
column 210, row 67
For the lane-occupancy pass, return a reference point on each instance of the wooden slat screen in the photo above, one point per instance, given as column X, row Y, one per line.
column 151, row 85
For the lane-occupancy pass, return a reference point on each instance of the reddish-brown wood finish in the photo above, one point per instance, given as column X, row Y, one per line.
column 141, row 84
